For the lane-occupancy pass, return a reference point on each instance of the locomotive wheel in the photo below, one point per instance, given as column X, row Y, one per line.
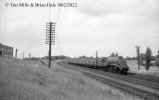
column 115, row 69
column 105, row 69
column 112, row 69
column 118, row 71
column 109, row 69
column 124, row 72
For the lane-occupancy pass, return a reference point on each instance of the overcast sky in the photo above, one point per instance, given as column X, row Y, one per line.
column 105, row 26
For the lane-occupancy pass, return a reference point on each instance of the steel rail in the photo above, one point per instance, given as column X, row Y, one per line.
column 125, row 87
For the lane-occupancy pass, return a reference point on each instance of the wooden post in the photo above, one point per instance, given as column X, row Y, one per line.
column 16, row 53
column 138, row 56
column 50, row 45
column 29, row 55
column 96, row 57
column 50, row 38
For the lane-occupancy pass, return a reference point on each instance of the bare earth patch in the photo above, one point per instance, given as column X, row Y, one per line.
column 28, row 80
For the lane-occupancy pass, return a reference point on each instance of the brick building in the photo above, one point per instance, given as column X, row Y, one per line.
column 6, row 51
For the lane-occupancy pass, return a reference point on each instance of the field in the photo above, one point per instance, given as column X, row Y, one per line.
column 29, row 80
column 154, row 70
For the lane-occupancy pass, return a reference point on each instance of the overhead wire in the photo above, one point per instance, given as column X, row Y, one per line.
column 60, row 27
column 38, row 36
column 58, row 16
column 58, row 23
column 49, row 11
column 32, row 43
column 59, row 12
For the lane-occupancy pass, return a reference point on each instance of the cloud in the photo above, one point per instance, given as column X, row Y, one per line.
column 104, row 25
column 96, row 8
column 107, row 7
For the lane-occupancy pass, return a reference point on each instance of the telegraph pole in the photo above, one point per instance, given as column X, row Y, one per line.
column 29, row 55
column 96, row 57
column 138, row 56
column 50, row 37
column 16, row 53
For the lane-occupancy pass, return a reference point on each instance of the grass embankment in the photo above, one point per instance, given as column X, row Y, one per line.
column 28, row 80
column 134, row 68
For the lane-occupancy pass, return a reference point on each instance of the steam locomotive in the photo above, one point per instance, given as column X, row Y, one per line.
column 110, row 64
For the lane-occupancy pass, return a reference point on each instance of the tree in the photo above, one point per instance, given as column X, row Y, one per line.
column 157, row 55
column 148, row 55
column 116, row 54
column 112, row 54
column 157, row 60
column 142, row 58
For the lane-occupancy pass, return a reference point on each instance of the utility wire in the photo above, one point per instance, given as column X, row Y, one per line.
column 57, row 28
column 59, row 13
column 39, row 35
column 58, row 17
column 58, row 31
column 49, row 11
column 32, row 43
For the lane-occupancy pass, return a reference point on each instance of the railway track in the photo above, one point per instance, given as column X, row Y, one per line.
column 144, row 77
column 129, row 89
column 148, row 95
column 143, row 81
column 130, row 79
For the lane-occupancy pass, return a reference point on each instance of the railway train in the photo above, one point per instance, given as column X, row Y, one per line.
column 110, row 64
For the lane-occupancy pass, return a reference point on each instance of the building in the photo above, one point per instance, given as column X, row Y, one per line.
column 6, row 51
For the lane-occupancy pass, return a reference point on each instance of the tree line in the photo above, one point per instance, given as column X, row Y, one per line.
column 145, row 59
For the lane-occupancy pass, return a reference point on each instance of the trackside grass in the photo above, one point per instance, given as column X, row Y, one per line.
column 154, row 70
column 29, row 80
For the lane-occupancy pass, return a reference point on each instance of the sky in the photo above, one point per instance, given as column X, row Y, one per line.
column 105, row 26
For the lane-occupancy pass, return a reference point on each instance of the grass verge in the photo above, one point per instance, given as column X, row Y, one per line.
column 28, row 80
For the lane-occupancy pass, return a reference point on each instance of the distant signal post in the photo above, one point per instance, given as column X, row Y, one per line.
column 50, row 37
